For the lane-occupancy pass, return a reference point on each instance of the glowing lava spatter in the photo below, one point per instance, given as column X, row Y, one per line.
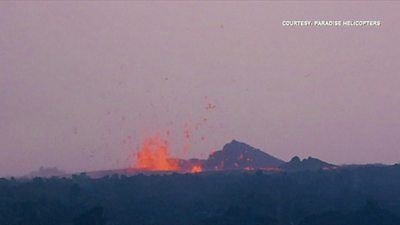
column 154, row 156
column 197, row 169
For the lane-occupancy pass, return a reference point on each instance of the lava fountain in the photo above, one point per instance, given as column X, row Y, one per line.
column 154, row 156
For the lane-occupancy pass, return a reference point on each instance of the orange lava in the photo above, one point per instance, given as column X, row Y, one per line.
column 197, row 169
column 154, row 156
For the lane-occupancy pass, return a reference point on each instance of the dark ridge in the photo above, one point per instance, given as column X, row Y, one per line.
column 239, row 155
column 310, row 163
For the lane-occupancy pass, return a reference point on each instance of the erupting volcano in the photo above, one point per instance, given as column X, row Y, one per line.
column 154, row 156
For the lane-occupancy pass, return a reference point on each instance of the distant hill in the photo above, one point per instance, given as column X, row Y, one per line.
column 238, row 155
column 310, row 163
column 47, row 172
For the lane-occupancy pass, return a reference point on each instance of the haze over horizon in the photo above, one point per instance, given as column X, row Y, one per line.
column 82, row 84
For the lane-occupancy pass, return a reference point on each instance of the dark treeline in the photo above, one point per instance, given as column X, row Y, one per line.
column 348, row 196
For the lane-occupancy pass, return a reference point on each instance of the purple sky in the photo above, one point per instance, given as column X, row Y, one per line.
column 78, row 78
